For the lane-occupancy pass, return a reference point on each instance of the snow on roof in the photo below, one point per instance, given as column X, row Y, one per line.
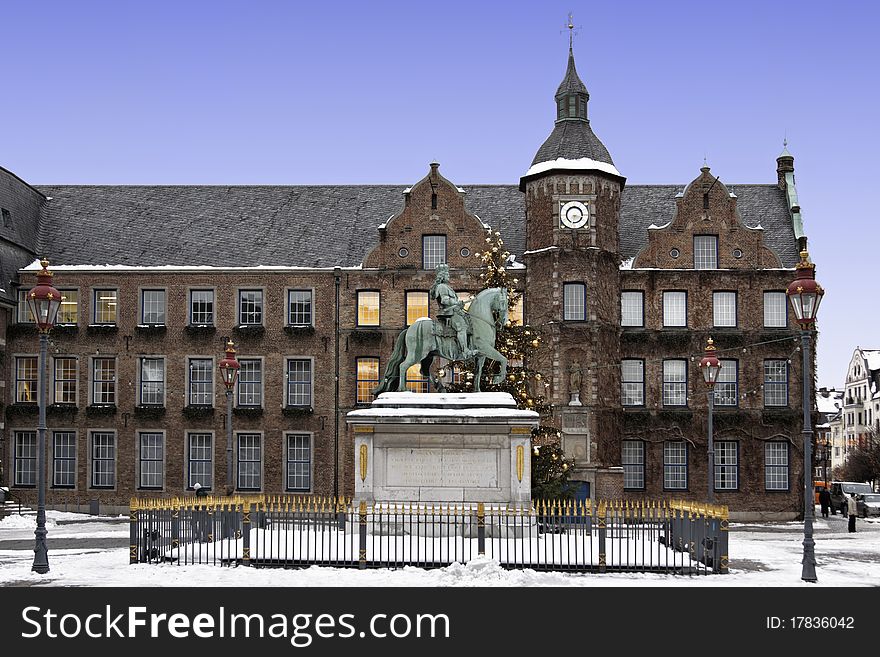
column 546, row 248
column 579, row 163
column 830, row 404
column 872, row 356
column 36, row 266
column 656, row 227
column 627, row 264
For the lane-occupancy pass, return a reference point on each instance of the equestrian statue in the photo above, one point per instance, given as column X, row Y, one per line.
column 456, row 335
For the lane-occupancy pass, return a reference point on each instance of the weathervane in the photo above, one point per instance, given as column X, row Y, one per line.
column 572, row 30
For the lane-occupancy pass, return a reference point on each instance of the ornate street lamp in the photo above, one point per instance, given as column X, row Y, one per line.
column 43, row 302
column 805, row 295
column 710, row 366
column 229, row 368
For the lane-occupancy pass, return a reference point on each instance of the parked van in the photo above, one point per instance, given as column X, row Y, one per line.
column 841, row 490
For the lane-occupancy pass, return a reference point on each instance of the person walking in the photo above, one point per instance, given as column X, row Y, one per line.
column 824, row 501
column 852, row 508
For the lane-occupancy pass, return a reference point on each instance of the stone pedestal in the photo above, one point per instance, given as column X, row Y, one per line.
column 443, row 448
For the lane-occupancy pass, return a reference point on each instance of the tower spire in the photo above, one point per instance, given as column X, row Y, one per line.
column 570, row 31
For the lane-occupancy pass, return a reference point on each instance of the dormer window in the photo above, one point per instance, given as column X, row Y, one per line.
column 572, row 106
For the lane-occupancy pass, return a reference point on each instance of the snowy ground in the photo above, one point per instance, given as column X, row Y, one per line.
column 766, row 555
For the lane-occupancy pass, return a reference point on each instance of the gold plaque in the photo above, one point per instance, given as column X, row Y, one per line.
column 520, row 461
column 521, row 430
column 362, row 428
column 363, row 461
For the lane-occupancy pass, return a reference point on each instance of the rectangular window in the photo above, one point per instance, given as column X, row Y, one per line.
column 250, row 382
column 7, row 217
column 201, row 382
column 25, row 458
column 299, row 466
column 103, row 459
column 26, row 376
column 24, row 312
column 299, row 307
column 775, row 383
column 574, row 302
column 675, row 382
column 63, row 459
column 299, row 382
column 726, row 393
column 675, row 465
column 201, row 466
column 705, row 252
column 775, row 310
column 776, row 465
column 105, row 306
column 674, row 309
column 633, row 459
column 249, row 461
column 153, row 307
column 250, row 307
column 68, row 313
column 152, row 460
column 515, row 315
column 64, row 370
column 103, row 381
column 724, row 309
column 367, row 379
column 201, row 307
column 632, row 381
column 726, row 465
column 415, row 382
column 632, row 306
column 368, row 308
column 416, row 306
column 152, row 382
column 433, row 251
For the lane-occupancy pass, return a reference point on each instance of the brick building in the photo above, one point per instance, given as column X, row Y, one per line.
column 626, row 282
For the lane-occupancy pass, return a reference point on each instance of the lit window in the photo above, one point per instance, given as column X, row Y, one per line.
column 250, row 382
column 103, row 459
column 632, row 378
column 775, row 383
column 250, row 307
column 68, row 313
column 633, row 460
column 201, row 382
column 153, row 307
column 105, row 306
column 151, row 455
column 726, row 384
column 63, row 459
column 516, row 315
column 201, row 460
column 104, row 381
column 416, row 306
column 675, row 382
column 775, row 310
column 367, row 379
column 152, row 382
column 368, row 308
column 674, row 309
column 415, row 382
column 64, row 369
column 201, row 307
column 776, row 465
column 26, row 379
column 726, row 465
column 299, row 461
column 632, row 309
column 705, row 252
column 249, row 461
column 299, row 382
column 433, row 251
column 724, row 309
column 574, row 302
column 675, row 465
column 299, row 307
column 25, row 458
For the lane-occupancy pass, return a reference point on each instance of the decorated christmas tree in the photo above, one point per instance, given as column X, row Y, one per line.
column 518, row 342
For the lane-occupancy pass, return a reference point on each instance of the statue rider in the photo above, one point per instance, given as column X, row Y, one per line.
column 451, row 309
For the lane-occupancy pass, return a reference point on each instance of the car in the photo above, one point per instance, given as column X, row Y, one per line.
column 840, row 490
column 868, row 504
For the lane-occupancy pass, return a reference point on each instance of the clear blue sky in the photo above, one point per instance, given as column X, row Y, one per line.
column 370, row 92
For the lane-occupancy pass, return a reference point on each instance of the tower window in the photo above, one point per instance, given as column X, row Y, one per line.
column 572, row 106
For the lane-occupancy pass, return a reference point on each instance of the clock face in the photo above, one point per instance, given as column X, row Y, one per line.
column 574, row 214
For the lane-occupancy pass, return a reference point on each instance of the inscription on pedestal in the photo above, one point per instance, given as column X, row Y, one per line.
column 440, row 468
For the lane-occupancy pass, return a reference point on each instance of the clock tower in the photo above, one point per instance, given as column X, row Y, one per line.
column 572, row 199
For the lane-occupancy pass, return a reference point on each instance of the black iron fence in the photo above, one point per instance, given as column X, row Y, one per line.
column 284, row 531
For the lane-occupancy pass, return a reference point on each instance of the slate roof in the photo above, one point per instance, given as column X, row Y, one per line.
column 572, row 140
column 316, row 226
column 572, row 82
